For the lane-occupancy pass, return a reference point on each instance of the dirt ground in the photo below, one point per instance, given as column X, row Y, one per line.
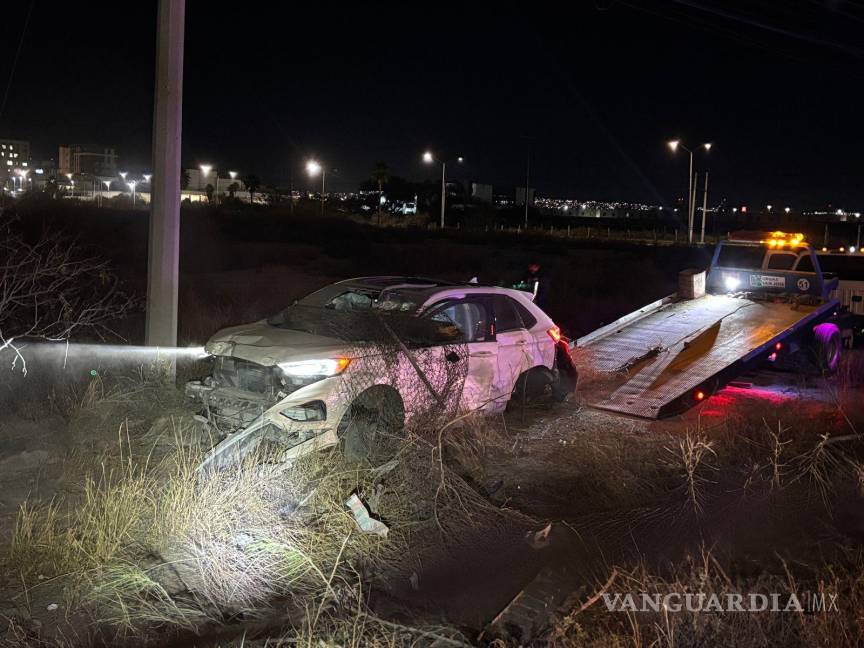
column 538, row 468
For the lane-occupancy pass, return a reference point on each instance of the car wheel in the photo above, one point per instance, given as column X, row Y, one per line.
column 371, row 429
column 533, row 385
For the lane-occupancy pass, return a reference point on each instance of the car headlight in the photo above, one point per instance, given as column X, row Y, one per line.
column 323, row 368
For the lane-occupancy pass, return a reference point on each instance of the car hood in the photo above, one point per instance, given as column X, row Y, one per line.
column 268, row 345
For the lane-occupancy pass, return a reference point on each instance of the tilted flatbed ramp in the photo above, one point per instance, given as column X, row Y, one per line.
column 670, row 348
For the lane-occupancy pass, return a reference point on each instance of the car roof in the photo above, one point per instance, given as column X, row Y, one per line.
column 387, row 281
column 424, row 291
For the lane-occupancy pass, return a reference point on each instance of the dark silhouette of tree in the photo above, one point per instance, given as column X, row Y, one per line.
column 209, row 189
column 233, row 188
column 184, row 179
column 253, row 183
column 380, row 176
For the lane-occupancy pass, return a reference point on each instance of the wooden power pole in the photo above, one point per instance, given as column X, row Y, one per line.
column 163, row 272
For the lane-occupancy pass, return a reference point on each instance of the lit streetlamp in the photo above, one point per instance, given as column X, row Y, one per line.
column 674, row 145
column 123, row 175
column 131, row 185
column 147, row 177
column 107, row 184
column 313, row 168
column 428, row 158
column 205, row 171
column 233, row 175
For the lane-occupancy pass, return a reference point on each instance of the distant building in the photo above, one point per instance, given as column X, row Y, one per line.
column 87, row 160
column 198, row 181
column 14, row 154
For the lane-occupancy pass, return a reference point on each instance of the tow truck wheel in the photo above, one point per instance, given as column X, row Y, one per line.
column 826, row 348
column 370, row 430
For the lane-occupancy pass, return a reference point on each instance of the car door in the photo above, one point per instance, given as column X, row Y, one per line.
column 472, row 316
column 515, row 347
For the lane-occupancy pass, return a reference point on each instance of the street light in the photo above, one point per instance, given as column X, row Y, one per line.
column 131, row 185
column 313, row 168
column 233, row 175
column 23, row 173
column 205, row 171
column 674, row 145
column 786, row 209
column 123, row 175
column 107, row 184
column 769, row 207
column 147, row 177
column 428, row 158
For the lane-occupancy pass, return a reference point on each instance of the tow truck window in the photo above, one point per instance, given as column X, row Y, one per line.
column 805, row 264
column 743, row 257
column 782, row 261
column 468, row 316
column 506, row 316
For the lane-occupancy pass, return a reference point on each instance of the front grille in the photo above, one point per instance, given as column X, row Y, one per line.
column 245, row 375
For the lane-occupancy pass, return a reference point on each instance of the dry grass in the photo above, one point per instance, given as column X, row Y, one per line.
column 586, row 620
column 148, row 544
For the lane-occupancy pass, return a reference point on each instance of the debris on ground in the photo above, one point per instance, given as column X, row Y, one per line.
column 530, row 611
column 365, row 522
column 540, row 539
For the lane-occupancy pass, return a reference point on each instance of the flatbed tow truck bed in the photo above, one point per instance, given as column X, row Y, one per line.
column 673, row 348
column 752, row 307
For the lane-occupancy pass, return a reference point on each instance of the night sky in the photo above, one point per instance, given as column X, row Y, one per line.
column 777, row 86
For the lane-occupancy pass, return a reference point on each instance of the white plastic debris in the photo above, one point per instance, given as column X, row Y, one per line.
column 52, row 607
column 540, row 540
column 361, row 515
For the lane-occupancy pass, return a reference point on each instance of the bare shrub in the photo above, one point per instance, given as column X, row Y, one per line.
column 51, row 289
column 693, row 452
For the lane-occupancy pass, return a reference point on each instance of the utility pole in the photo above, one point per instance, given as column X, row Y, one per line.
column 443, row 190
column 163, row 272
column 527, row 181
column 690, row 186
column 704, row 209
column 692, row 215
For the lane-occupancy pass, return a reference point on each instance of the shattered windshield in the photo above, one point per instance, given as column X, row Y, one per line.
column 343, row 298
column 369, row 324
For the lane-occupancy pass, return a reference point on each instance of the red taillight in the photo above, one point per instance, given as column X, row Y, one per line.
column 699, row 395
column 778, row 346
column 555, row 334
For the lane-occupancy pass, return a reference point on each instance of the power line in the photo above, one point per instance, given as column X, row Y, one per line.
column 15, row 59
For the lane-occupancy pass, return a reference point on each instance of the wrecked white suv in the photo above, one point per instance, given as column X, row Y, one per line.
column 352, row 362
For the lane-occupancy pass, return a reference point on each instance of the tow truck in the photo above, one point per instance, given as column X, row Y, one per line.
column 749, row 308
